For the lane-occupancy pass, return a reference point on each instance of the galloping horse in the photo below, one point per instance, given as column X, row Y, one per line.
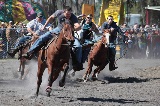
column 57, row 58
column 98, row 57
column 22, row 60
column 23, row 49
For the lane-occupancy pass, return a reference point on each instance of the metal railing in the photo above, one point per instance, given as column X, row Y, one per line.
column 7, row 42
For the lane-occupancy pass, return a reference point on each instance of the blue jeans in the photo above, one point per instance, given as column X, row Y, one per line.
column 112, row 52
column 44, row 38
column 78, row 50
column 22, row 40
column 81, row 56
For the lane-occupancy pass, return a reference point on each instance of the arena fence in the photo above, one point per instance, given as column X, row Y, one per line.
column 8, row 38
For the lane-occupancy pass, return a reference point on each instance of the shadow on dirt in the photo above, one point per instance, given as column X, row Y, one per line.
column 125, row 80
column 122, row 101
column 13, row 82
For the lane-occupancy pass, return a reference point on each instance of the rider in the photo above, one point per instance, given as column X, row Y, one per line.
column 87, row 31
column 111, row 25
column 61, row 15
column 33, row 27
column 86, row 37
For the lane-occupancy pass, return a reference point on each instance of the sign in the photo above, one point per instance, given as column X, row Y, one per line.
column 88, row 9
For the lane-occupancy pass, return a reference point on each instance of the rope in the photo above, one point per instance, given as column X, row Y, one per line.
column 125, row 52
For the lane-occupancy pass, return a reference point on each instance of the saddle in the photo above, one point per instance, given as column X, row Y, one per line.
column 45, row 47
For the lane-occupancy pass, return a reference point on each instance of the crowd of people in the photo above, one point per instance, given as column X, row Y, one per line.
column 139, row 41
column 9, row 33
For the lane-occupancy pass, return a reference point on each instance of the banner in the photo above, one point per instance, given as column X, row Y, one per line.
column 88, row 9
column 29, row 12
column 114, row 9
column 18, row 12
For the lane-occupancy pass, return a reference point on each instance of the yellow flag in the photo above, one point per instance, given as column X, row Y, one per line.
column 102, row 18
column 88, row 9
column 114, row 10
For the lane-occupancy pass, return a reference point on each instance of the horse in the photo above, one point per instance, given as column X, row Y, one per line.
column 23, row 49
column 22, row 60
column 85, row 47
column 56, row 58
column 98, row 56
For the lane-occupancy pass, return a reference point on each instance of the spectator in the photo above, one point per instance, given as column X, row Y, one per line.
column 4, row 40
column 114, row 29
column 11, row 35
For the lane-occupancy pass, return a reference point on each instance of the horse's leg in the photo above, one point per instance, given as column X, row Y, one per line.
column 26, row 71
column 41, row 69
column 62, row 81
column 71, row 71
column 19, row 69
column 51, row 71
column 23, row 67
column 97, row 71
column 89, row 70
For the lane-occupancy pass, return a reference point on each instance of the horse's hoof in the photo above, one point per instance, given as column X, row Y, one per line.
column 23, row 78
column 48, row 94
column 71, row 73
column 48, row 90
column 97, row 75
column 61, row 83
column 94, row 78
column 20, row 78
column 19, row 70
column 85, row 80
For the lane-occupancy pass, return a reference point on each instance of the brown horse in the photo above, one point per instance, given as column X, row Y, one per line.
column 23, row 49
column 98, row 57
column 57, row 58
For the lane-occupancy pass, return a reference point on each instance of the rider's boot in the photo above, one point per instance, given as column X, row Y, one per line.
column 76, row 64
column 80, row 66
column 112, row 66
column 31, row 53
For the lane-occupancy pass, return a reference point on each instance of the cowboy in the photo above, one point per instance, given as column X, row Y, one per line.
column 34, row 29
column 61, row 15
column 88, row 28
column 113, row 28
column 85, row 38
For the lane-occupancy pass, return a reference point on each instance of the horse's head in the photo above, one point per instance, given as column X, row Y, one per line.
column 105, row 37
column 67, row 32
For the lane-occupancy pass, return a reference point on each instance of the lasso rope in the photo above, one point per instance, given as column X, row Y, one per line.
column 124, row 53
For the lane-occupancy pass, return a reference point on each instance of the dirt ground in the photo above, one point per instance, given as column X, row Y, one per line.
column 135, row 83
